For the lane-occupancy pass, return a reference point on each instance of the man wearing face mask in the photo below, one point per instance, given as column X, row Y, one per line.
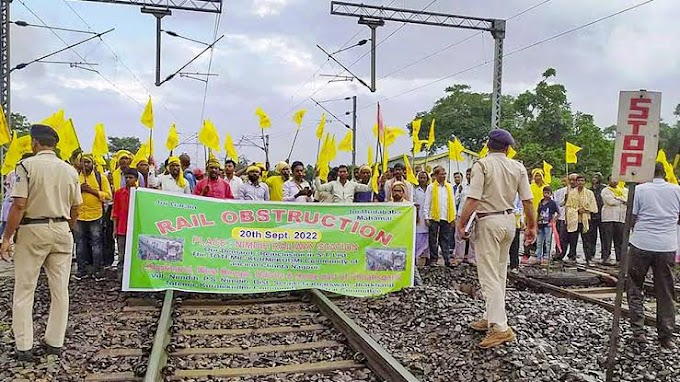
column 174, row 181
column 253, row 189
column 213, row 186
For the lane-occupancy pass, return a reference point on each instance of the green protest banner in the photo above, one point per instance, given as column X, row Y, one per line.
column 197, row 244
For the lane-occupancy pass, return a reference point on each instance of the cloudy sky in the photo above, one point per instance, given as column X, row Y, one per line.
column 269, row 58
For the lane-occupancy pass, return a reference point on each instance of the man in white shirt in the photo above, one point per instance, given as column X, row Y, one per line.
column 653, row 243
column 297, row 189
column 174, row 181
column 254, row 189
column 560, row 198
column 343, row 189
column 614, row 200
column 234, row 181
column 440, row 212
column 398, row 176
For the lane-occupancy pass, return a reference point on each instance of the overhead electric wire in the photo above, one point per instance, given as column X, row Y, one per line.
column 518, row 50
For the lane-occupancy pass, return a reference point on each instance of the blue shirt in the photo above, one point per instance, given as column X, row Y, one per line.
column 189, row 176
column 657, row 207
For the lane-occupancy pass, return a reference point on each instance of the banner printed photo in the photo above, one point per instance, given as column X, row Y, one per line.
column 196, row 244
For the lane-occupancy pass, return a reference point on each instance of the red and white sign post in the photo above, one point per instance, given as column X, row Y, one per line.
column 637, row 142
column 637, row 136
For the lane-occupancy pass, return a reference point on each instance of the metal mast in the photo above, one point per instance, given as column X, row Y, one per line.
column 375, row 16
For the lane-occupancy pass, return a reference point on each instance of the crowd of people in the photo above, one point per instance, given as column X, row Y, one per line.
column 478, row 219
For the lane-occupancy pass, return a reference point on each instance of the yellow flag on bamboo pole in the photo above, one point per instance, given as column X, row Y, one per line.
column 370, row 156
column 410, row 176
column 430, row 137
column 511, row 152
column 484, row 151
column 100, row 146
column 547, row 171
column 571, row 150
column 68, row 140
column 5, row 136
column 147, row 115
column 346, row 143
column 208, row 136
column 144, row 152
column 456, row 150
column 17, row 148
column 417, row 143
column 230, row 148
column 320, row 128
column 265, row 122
column 298, row 116
column 173, row 138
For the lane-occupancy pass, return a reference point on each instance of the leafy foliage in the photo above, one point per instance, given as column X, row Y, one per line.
column 124, row 143
column 20, row 124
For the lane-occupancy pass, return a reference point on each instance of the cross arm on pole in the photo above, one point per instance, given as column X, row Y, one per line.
column 211, row 6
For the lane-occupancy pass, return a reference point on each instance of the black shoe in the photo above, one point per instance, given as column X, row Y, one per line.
column 51, row 349
column 99, row 277
column 24, row 356
column 80, row 276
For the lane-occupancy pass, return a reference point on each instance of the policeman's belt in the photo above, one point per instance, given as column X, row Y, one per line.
column 27, row 221
column 485, row 214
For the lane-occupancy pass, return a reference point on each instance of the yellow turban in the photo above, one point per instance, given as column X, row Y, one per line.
column 253, row 168
column 399, row 184
column 281, row 165
column 212, row 162
column 365, row 167
column 261, row 166
column 180, row 179
column 88, row 156
column 537, row 171
column 174, row 160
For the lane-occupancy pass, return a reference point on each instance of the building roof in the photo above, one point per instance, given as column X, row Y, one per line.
column 421, row 159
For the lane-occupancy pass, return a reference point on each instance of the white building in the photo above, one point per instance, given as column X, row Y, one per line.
column 441, row 159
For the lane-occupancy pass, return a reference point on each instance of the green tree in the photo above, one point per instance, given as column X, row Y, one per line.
column 20, row 124
column 124, row 143
column 669, row 136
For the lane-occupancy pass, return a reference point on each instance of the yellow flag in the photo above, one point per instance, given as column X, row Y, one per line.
column 511, row 152
column 230, row 148
column 4, row 129
column 676, row 161
column 208, row 136
column 456, row 150
column 571, row 151
column 68, row 140
column 100, row 146
column 484, row 151
column 173, row 138
column 661, row 157
column 17, row 148
column 370, row 156
column 143, row 153
column 374, row 179
column 320, row 128
column 417, row 146
column 55, row 120
column 297, row 117
column 333, row 149
column 415, row 126
column 265, row 122
column 324, row 153
column 670, row 174
column 147, row 115
column 547, row 171
column 410, row 176
column 391, row 134
column 346, row 143
column 385, row 158
column 430, row 138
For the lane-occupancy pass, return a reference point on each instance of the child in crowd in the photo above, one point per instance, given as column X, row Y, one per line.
column 119, row 215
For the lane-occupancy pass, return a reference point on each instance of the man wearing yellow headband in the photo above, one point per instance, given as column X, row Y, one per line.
column 213, row 186
column 253, row 189
column 147, row 173
column 276, row 182
column 174, row 181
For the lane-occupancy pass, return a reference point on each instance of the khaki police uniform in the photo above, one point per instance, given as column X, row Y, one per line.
column 495, row 182
column 51, row 188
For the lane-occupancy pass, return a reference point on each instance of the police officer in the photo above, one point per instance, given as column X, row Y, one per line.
column 494, row 183
column 45, row 209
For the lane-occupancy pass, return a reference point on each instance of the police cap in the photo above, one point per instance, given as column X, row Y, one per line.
column 44, row 132
column 500, row 139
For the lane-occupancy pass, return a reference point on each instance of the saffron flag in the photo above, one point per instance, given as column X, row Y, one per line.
column 410, row 176
column 265, row 122
column 571, row 151
column 547, row 171
column 147, row 115
column 230, row 148
column 430, row 138
column 374, row 179
column 511, row 152
column 68, row 140
column 321, row 126
column 208, row 136
column 346, row 143
column 100, row 146
column 5, row 136
column 370, row 156
column 484, row 151
column 17, row 148
column 173, row 138
column 456, row 150
column 297, row 117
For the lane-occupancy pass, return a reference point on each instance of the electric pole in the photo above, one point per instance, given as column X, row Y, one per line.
column 374, row 16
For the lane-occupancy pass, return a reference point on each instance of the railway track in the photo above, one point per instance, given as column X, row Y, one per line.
column 292, row 338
